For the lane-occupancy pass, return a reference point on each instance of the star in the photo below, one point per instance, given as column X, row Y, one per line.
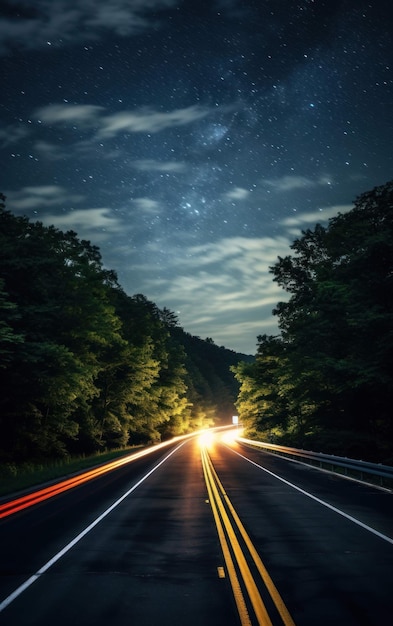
column 181, row 139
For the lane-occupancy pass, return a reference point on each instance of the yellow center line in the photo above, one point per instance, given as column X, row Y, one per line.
column 252, row 589
column 237, row 592
column 272, row 589
column 217, row 495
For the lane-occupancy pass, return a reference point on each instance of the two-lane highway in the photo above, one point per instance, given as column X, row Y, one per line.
column 143, row 544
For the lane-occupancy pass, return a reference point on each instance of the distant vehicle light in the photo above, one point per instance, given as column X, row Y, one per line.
column 206, row 439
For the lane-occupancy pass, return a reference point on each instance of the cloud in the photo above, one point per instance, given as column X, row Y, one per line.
column 97, row 223
column 41, row 196
column 85, row 220
column 151, row 165
column 237, row 194
column 51, row 151
column 83, row 149
column 55, row 22
column 232, row 250
column 12, row 134
column 322, row 215
column 85, row 114
column 147, row 205
column 149, row 121
column 221, row 287
column 143, row 120
column 290, row 183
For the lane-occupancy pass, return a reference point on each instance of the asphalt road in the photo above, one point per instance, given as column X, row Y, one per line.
column 155, row 558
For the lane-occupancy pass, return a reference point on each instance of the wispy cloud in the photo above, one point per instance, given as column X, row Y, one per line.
column 85, row 114
column 147, row 205
column 55, row 22
column 12, row 134
column 51, row 151
column 149, row 121
column 322, row 215
column 143, row 120
column 86, row 221
column 41, row 196
column 228, row 279
column 83, row 149
column 151, row 165
column 290, row 183
column 238, row 193
column 232, row 250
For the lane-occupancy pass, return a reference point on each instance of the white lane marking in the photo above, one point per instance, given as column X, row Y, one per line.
column 82, row 534
column 326, row 504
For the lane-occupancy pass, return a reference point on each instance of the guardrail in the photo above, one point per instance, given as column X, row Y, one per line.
column 374, row 473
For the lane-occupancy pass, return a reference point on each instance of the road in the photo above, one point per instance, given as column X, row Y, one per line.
column 202, row 534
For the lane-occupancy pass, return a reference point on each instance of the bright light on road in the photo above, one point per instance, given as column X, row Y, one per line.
column 230, row 437
column 206, row 439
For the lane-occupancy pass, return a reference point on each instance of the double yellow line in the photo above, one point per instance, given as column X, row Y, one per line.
column 240, row 576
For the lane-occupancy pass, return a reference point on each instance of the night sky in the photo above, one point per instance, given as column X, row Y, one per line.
column 193, row 141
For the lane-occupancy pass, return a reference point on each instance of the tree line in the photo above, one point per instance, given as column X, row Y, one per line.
column 86, row 367
column 326, row 381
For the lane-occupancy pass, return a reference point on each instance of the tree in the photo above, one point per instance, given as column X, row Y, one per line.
column 61, row 323
column 264, row 392
column 83, row 365
column 9, row 340
column 333, row 369
column 168, row 317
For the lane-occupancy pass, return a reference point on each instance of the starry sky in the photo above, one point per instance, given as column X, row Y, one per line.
column 193, row 140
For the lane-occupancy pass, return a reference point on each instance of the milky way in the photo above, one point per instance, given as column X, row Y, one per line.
column 193, row 141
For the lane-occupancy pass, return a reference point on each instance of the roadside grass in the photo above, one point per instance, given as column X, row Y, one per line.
column 15, row 478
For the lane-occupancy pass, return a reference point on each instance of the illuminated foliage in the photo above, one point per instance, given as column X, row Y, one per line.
column 330, row 371
column 83, row 366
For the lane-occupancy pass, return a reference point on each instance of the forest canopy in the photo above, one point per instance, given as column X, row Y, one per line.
column 326, row 382
column 85, row 367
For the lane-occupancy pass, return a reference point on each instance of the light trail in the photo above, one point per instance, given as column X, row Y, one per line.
column 15, row 594
column 13, row 506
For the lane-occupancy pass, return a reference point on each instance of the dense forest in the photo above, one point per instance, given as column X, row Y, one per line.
column 85, row 367
column 326, row 381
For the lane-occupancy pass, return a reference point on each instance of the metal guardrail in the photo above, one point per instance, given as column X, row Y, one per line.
column 364, row 471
